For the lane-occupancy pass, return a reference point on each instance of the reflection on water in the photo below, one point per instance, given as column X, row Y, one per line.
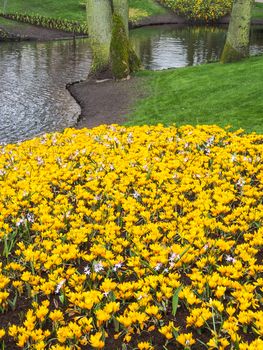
column 173, row 46
column 256, row 40
column 33, row 95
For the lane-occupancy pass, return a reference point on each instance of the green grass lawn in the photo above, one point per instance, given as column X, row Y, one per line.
column 72, row 9
column 150, row 6
column 219, row 94
column 257, row 11
column 69, row 9
column 75, row 9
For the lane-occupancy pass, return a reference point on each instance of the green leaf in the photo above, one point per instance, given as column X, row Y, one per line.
column 116, row 325
column 62, row 298
column 149, row 173
column 175, row 300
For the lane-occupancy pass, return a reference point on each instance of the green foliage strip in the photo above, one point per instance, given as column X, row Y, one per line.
column 51, row 23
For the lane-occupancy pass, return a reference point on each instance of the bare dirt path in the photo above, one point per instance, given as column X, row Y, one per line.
column 107, row 102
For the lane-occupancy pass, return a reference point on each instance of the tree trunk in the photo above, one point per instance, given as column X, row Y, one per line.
column 99, row 19
column 237, row 41
column 121, row 8
column 119, row 49
column 108, row 28
column 123, row 58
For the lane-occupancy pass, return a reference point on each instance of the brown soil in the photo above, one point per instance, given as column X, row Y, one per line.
column 105, row 102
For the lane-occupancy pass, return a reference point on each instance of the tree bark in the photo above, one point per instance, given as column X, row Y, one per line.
column 237, row 41
column 121, row 8
column 119, row 49
column 99, row 19
column 113, row 57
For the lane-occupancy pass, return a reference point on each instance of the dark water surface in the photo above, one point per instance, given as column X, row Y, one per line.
column 33, row 97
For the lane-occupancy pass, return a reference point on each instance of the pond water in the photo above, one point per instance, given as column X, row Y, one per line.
column 33, row 95
column 170, row 46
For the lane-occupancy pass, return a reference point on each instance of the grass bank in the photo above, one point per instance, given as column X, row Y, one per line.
column 74, row 10
column 207, row 94
column 8, row 24
column 71, row 9
column 257, row 12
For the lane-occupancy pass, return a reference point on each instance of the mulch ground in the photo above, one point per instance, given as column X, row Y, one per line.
column 106, row 102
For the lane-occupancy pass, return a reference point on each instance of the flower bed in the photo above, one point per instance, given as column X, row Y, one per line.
column 138, row 238
column 200, row 10
column 51, row 23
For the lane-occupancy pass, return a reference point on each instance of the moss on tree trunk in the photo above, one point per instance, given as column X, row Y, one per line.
column 119, row 49
column 121, row 8
column 113, row 56
column 237, row 41
column 134, row 61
